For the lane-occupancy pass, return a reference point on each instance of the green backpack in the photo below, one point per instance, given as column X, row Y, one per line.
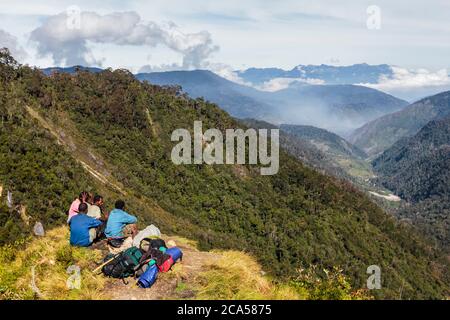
column 124, row 264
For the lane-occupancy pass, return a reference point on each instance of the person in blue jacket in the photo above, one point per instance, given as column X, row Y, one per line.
column 80, row 225
column 120, row 224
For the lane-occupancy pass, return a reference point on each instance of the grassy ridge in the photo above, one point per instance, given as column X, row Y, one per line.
column 38, row 269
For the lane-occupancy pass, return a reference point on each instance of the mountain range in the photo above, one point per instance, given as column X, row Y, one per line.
column 357, row 73
column 109, row 133
column 338, row 108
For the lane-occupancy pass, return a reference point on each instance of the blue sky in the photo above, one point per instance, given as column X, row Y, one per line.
column 238, row 34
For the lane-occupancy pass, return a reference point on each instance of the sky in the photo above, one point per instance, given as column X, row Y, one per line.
column 411, row 34
column 157, row 35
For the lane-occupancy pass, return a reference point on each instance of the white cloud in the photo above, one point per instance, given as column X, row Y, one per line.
column 277, row 84
column 404, row 78
column 69, row 43
column 413, row 84
column 160, row 68
column 227, row 72
column 9, row 41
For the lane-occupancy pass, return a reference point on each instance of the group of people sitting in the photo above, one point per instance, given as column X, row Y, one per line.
column 89, row 222
column 142, row 254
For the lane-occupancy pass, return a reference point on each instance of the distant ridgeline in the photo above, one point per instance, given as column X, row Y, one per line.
column 109, row 133
column 337, row 107
column 357, row 73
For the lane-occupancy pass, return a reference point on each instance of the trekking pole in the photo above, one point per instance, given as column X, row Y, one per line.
column 104, row 263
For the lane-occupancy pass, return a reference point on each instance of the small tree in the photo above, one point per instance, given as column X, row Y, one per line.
column 8, row 65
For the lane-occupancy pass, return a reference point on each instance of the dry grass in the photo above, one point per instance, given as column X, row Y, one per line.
column 37, row 269
column 48, row 258
column 237, row 275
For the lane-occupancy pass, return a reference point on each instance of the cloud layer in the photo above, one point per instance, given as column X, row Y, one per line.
column 66, row 37
column 413, row 84
column 277, row 84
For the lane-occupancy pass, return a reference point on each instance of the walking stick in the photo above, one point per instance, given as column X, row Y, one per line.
column 104, row 263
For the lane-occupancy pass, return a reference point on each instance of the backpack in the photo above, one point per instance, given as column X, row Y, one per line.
column 154, row 254
column 175, row 254
column 148, row 243
column 144, row 266
column 167, row 264
column 116, row 242
column 124, row 264
column 150, row 232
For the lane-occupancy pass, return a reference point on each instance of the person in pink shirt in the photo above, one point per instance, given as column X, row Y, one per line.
column 73, row 210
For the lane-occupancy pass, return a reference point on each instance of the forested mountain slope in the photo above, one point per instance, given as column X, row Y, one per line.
column 418, row 170
column 341, row 153
column 238, row 100
column 121, row 128
column 378, row 135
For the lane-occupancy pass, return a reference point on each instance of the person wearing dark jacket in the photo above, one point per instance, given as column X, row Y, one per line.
column 80, row 226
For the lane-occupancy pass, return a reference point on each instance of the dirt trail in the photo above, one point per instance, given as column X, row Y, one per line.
column 175, row 284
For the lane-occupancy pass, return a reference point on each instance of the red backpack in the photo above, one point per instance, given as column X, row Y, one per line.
column 175, row 254
column 166, row 265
